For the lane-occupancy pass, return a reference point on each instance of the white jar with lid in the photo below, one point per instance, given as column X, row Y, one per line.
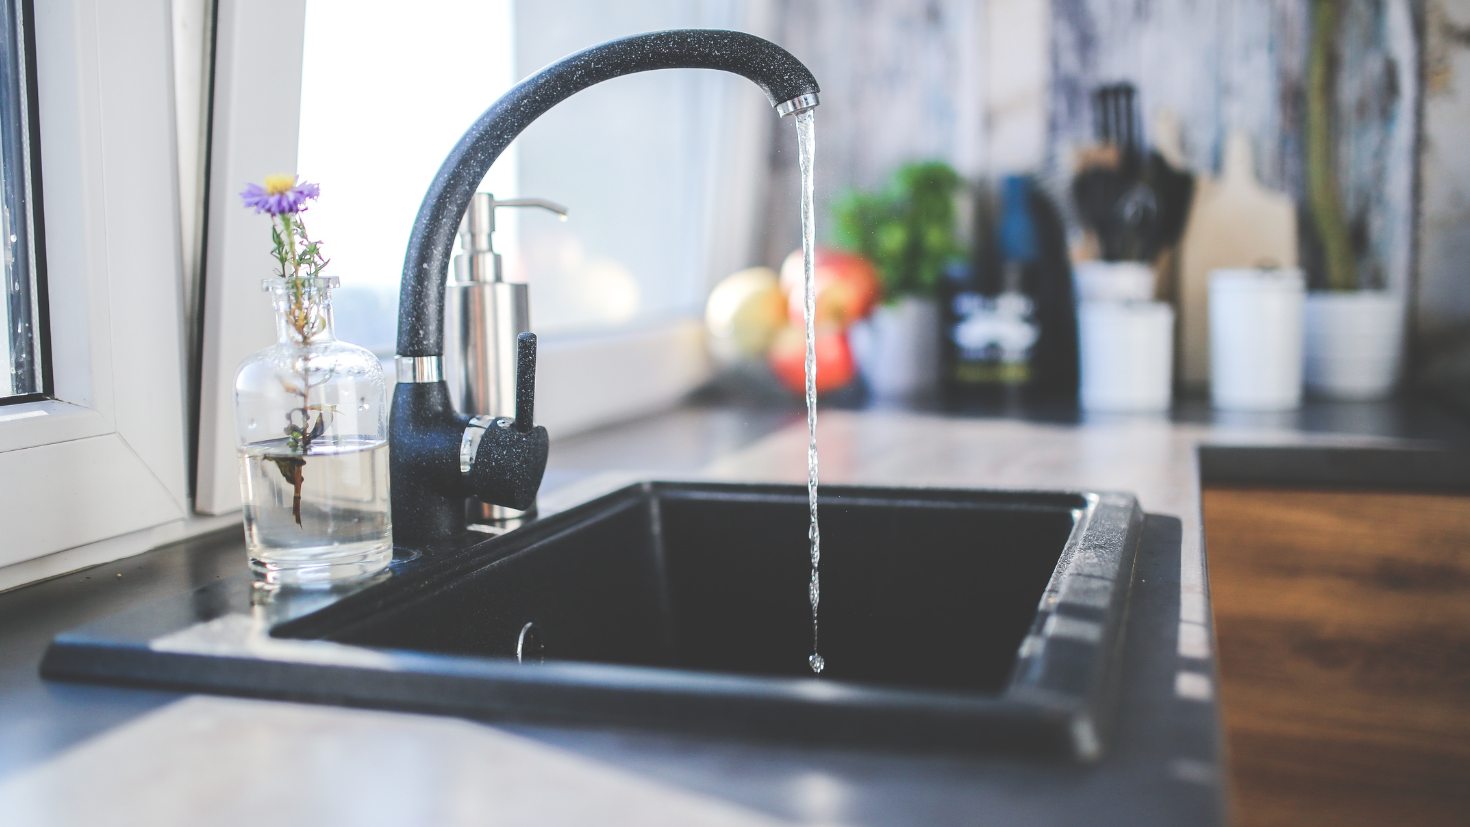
column 1127, row 356
column 1125, row 339
column 1256, row 339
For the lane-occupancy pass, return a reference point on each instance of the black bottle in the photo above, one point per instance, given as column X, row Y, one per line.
column 1010, row 325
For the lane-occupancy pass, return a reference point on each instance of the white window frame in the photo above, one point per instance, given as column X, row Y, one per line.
column 100, row 470
column 257, row 110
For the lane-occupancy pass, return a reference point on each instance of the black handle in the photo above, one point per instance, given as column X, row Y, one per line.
column 525, row 382
column 511, row 461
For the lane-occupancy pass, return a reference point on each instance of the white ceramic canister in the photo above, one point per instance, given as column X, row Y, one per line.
column 1256, row 339
column 1127, row 353
column 1354, row 343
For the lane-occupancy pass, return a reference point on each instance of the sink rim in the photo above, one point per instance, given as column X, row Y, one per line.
column 1062, row 669
column 1059, row 698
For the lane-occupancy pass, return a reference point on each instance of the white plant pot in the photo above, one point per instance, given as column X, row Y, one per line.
column 1354, row 343
column 897, row 348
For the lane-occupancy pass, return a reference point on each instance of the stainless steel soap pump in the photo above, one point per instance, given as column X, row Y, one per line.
column 484, row 315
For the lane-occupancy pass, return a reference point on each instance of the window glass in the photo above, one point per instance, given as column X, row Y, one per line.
column 22, row 346
column 632, row 159
column 386, row 91
column 386, row 94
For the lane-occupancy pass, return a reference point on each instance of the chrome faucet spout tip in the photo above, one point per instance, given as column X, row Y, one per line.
column 800, row 103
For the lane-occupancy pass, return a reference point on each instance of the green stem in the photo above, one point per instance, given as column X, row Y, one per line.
column 1322, row 189
column 282, row 254
column 291, row 244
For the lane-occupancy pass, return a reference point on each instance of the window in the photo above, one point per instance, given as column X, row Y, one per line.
column 23, row 347
column 638, row 160
column 373, row 152
column 662, row 172
column 96, row 466
column 94, row 435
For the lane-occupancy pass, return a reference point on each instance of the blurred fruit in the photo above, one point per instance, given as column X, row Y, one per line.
column 847, row 286
column 787, row 358
column 744, row 311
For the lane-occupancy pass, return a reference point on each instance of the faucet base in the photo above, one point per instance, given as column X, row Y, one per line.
column 429, row 487
column 498, row 517
column 423, row 461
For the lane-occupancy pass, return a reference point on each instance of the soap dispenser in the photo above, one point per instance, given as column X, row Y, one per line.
column 484, row 314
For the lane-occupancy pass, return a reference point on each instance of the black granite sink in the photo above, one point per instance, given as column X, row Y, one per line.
column 949, row 618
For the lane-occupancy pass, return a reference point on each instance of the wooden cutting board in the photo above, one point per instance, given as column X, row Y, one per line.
column 1233, row 222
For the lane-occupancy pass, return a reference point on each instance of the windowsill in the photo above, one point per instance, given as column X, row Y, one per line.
column 592, row 379
column 48, row 421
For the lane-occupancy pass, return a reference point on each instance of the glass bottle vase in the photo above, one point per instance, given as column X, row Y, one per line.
column 311, row 423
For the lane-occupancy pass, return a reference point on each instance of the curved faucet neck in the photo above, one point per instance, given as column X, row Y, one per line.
column 787, row 83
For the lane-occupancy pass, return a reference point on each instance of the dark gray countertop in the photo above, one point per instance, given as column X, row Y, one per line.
column 40, row 720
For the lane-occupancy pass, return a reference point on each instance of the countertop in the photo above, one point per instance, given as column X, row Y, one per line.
column 74, row 753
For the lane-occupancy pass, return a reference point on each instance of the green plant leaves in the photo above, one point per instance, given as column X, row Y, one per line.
column 907, row 230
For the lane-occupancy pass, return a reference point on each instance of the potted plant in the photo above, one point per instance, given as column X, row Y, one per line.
column 908, row 232
column 1353, row 334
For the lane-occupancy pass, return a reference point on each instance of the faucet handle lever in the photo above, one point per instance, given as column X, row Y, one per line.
column 525, row 381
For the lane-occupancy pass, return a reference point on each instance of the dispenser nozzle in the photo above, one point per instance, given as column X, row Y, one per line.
column 534, row 202
column 479, row 261
column 479, row 219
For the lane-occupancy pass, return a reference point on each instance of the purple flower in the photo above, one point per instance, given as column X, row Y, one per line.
column 281, row 194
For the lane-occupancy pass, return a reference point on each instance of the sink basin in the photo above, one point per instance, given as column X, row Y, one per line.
column 949, row 618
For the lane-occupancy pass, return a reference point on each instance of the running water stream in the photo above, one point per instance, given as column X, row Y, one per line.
column 806, row 147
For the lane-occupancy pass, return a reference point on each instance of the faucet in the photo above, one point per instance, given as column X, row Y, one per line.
column 438, row 457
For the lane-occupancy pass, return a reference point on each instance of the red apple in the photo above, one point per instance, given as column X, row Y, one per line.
column 847, row 286
column 787, row 358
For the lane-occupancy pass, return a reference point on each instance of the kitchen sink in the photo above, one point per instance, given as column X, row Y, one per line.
column 956, row 619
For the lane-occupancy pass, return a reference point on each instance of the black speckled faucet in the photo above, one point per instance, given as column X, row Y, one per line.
column 438, row 457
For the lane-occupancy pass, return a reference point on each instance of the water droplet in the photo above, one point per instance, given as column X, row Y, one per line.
column 817, row 663
column 251, row 424
column 362, row 403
